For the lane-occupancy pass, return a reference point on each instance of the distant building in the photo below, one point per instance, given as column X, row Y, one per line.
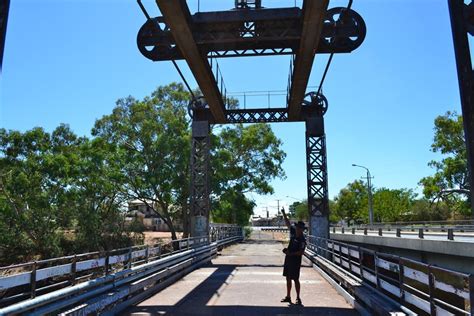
column 265, row 221
column 144, row 213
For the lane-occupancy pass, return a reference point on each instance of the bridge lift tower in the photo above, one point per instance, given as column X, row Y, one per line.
column 249, row 29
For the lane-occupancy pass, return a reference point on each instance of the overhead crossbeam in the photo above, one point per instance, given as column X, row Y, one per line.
column 178, row 18
column 261, row 32
column 313, row 15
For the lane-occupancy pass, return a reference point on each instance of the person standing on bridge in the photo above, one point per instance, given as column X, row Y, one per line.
column 293, row 256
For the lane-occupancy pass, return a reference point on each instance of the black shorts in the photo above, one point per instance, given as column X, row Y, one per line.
column 291, row 268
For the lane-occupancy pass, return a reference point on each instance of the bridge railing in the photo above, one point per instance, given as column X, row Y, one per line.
column 29, row 280
column 424, row 287
column 413, row 231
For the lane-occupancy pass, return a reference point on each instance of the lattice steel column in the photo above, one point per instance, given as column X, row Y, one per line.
column 318, row 201
column 200, row 203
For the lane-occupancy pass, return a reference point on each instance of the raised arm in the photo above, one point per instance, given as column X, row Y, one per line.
column 287, row 221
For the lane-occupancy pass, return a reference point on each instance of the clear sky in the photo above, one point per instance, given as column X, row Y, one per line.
column 69, row 60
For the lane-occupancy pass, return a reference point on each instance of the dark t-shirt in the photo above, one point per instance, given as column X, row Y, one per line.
column 296, row 243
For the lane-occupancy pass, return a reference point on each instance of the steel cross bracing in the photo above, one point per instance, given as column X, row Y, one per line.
column 200, row 204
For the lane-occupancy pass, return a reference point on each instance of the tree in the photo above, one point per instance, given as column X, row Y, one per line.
column 37, row 171
column 301, row 211
column 233, row 207
column 100, row 206
column 391, row 205
column 56, row 196
column 152, row 146
column 149, row 141
column 450, row 183
column 244, row 159
column 352, row 202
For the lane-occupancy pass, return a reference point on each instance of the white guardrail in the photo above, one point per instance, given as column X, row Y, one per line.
column 108, row 281
column 419, row 287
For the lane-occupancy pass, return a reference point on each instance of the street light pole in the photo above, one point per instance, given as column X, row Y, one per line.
column 369, row 188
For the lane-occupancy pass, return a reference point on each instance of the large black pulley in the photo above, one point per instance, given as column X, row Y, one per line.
column 317, row 102
column 344, row 29
column 197, row 103
column 155, row 42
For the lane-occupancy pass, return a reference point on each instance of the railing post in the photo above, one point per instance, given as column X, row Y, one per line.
column 353, row 231
column 377, row 280
column 365, row 231
column 421, row 233
column 401, row 279
column 471, row 292
column 431, row 279
column 450, row 234
column 380, row 232
column 342, row 229
column 334, row 229
column 129, row 263
column 361, row 268
column 33, row 280
column 147, row 253
column 399, row 232
column 73, row 270
column 107, row 262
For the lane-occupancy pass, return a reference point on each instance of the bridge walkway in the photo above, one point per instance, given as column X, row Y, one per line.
column 245, row 279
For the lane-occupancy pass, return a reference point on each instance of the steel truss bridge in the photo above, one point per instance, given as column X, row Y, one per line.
column 373, row 279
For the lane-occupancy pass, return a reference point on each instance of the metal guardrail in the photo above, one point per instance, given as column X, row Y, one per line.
column 421, row 287
column 420, row 232
column 43, row 280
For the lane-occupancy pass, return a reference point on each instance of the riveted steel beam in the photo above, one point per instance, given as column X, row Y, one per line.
column 178, row 18
column 313, row 15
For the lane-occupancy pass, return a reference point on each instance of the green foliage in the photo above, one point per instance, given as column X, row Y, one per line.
column 246, row 158
column 247, row 231
column 301, row 210
column 150, row 142
column 450, row 183
column 37, row 173
column 391, row 205
column 232, row 207
column 54, row 186
column 352, row 202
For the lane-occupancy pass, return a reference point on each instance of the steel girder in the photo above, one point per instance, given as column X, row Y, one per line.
column 178, row 17
column 462, row 23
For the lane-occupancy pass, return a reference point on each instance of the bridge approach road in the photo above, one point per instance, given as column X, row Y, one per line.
column 245, row 279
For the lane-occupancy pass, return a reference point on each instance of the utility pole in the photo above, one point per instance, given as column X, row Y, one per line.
column 369, row 189
column 278, row 208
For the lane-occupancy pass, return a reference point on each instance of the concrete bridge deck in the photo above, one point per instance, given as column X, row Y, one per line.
column 245, row 279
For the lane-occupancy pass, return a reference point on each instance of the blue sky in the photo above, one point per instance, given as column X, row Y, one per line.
column 68, row 61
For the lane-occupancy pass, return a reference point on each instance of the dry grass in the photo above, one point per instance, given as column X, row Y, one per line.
column 152, row 238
